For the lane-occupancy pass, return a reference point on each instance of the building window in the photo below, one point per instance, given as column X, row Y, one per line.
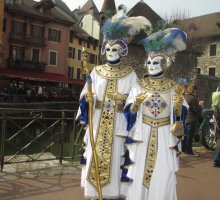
column 88, row 45
column 4, row 24
column 53, row 58
column 71, row 37
column 212, row 49
column 71, row 52
column 80, row 42
column 79, row 54
column 212, row 71
column 70, row 72
column 35, row 55
column 54, row 35
column 94, row 47
column 92, row 58
column 78, row 73
column 18, row 27
column 46, row 9
column 18, row 53
column 199, row 70
column 37, row 31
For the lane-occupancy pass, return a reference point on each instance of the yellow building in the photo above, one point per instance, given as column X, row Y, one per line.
column 79, row 39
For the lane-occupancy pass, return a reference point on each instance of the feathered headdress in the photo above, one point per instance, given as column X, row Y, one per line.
column 122, row 29
column 167, row 41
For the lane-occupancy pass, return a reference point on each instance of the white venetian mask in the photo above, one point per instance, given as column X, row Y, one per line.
column 155, row 64
column 112, row 52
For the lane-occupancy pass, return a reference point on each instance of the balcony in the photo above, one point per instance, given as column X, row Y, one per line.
column 26, row 64
column 28, row 39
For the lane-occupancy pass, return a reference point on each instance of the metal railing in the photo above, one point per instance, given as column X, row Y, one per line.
column 27, row 134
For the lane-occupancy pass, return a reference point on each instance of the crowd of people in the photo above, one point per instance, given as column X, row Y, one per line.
column 18, row 92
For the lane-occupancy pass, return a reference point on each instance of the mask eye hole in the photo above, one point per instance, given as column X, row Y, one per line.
column 114, row 50
column 148, row 62
column 108, row 49
column 155, row 63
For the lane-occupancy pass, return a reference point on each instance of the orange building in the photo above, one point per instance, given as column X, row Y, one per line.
column 36, row 40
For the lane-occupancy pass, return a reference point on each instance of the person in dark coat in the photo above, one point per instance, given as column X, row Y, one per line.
column 192, row 118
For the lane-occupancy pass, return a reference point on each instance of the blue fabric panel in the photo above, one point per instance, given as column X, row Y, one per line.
column 131, row 117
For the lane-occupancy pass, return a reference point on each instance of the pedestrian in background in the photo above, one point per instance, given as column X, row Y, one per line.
column 216, row 108
column 192, row 118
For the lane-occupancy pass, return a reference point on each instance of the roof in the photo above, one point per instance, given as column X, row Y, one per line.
column 63, row 6
column 108, row 5
column 40, row 76
column 79, row 31
column 142, row 9
column 201, row 26
column 30, row 8
column 90, row 7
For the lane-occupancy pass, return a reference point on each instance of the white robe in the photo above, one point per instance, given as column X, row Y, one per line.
column 163, row 180
column 124, row 85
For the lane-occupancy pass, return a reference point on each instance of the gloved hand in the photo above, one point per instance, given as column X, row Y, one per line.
column 117, row 96
column 89, row 96
column 139, row 100
column 177, row 129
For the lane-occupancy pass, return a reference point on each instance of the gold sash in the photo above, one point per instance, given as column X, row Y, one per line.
column 104, row 138
column 152, row 146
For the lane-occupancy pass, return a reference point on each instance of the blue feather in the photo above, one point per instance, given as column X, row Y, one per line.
column 173, row 39
column 115, row 30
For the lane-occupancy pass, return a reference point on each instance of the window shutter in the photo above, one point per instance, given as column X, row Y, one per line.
column 59, row 36
column 24, row 28
column 49, row 34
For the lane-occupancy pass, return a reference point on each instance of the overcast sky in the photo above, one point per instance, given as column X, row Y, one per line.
column 162, row 7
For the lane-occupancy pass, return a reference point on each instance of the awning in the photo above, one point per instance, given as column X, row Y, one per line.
column 38, row 76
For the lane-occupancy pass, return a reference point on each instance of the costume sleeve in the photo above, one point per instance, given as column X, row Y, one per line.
column 83, row 105
column 179, row 107
column 131, row 117
column 82, row 114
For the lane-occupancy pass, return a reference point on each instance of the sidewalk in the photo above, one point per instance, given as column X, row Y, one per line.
column 196, row 180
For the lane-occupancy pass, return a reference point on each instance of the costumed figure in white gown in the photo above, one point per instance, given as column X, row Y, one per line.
column 154, row 114
column 111, row 84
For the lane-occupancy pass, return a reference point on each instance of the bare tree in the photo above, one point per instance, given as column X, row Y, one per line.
column 176, row 14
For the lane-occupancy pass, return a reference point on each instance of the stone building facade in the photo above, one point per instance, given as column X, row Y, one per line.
column 209, row 61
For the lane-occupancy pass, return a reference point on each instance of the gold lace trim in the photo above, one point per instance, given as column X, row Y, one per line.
column 104, row 138
column 156, row 122
column 151, row 156
column 113, row 72
column 157, row 84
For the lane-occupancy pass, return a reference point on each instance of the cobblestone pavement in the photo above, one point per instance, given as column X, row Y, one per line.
column 197, row 179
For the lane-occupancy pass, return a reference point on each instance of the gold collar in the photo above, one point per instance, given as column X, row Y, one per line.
column 157, row 84
column 113, row 72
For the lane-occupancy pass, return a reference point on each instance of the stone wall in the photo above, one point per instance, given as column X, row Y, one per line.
column 206, row 61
